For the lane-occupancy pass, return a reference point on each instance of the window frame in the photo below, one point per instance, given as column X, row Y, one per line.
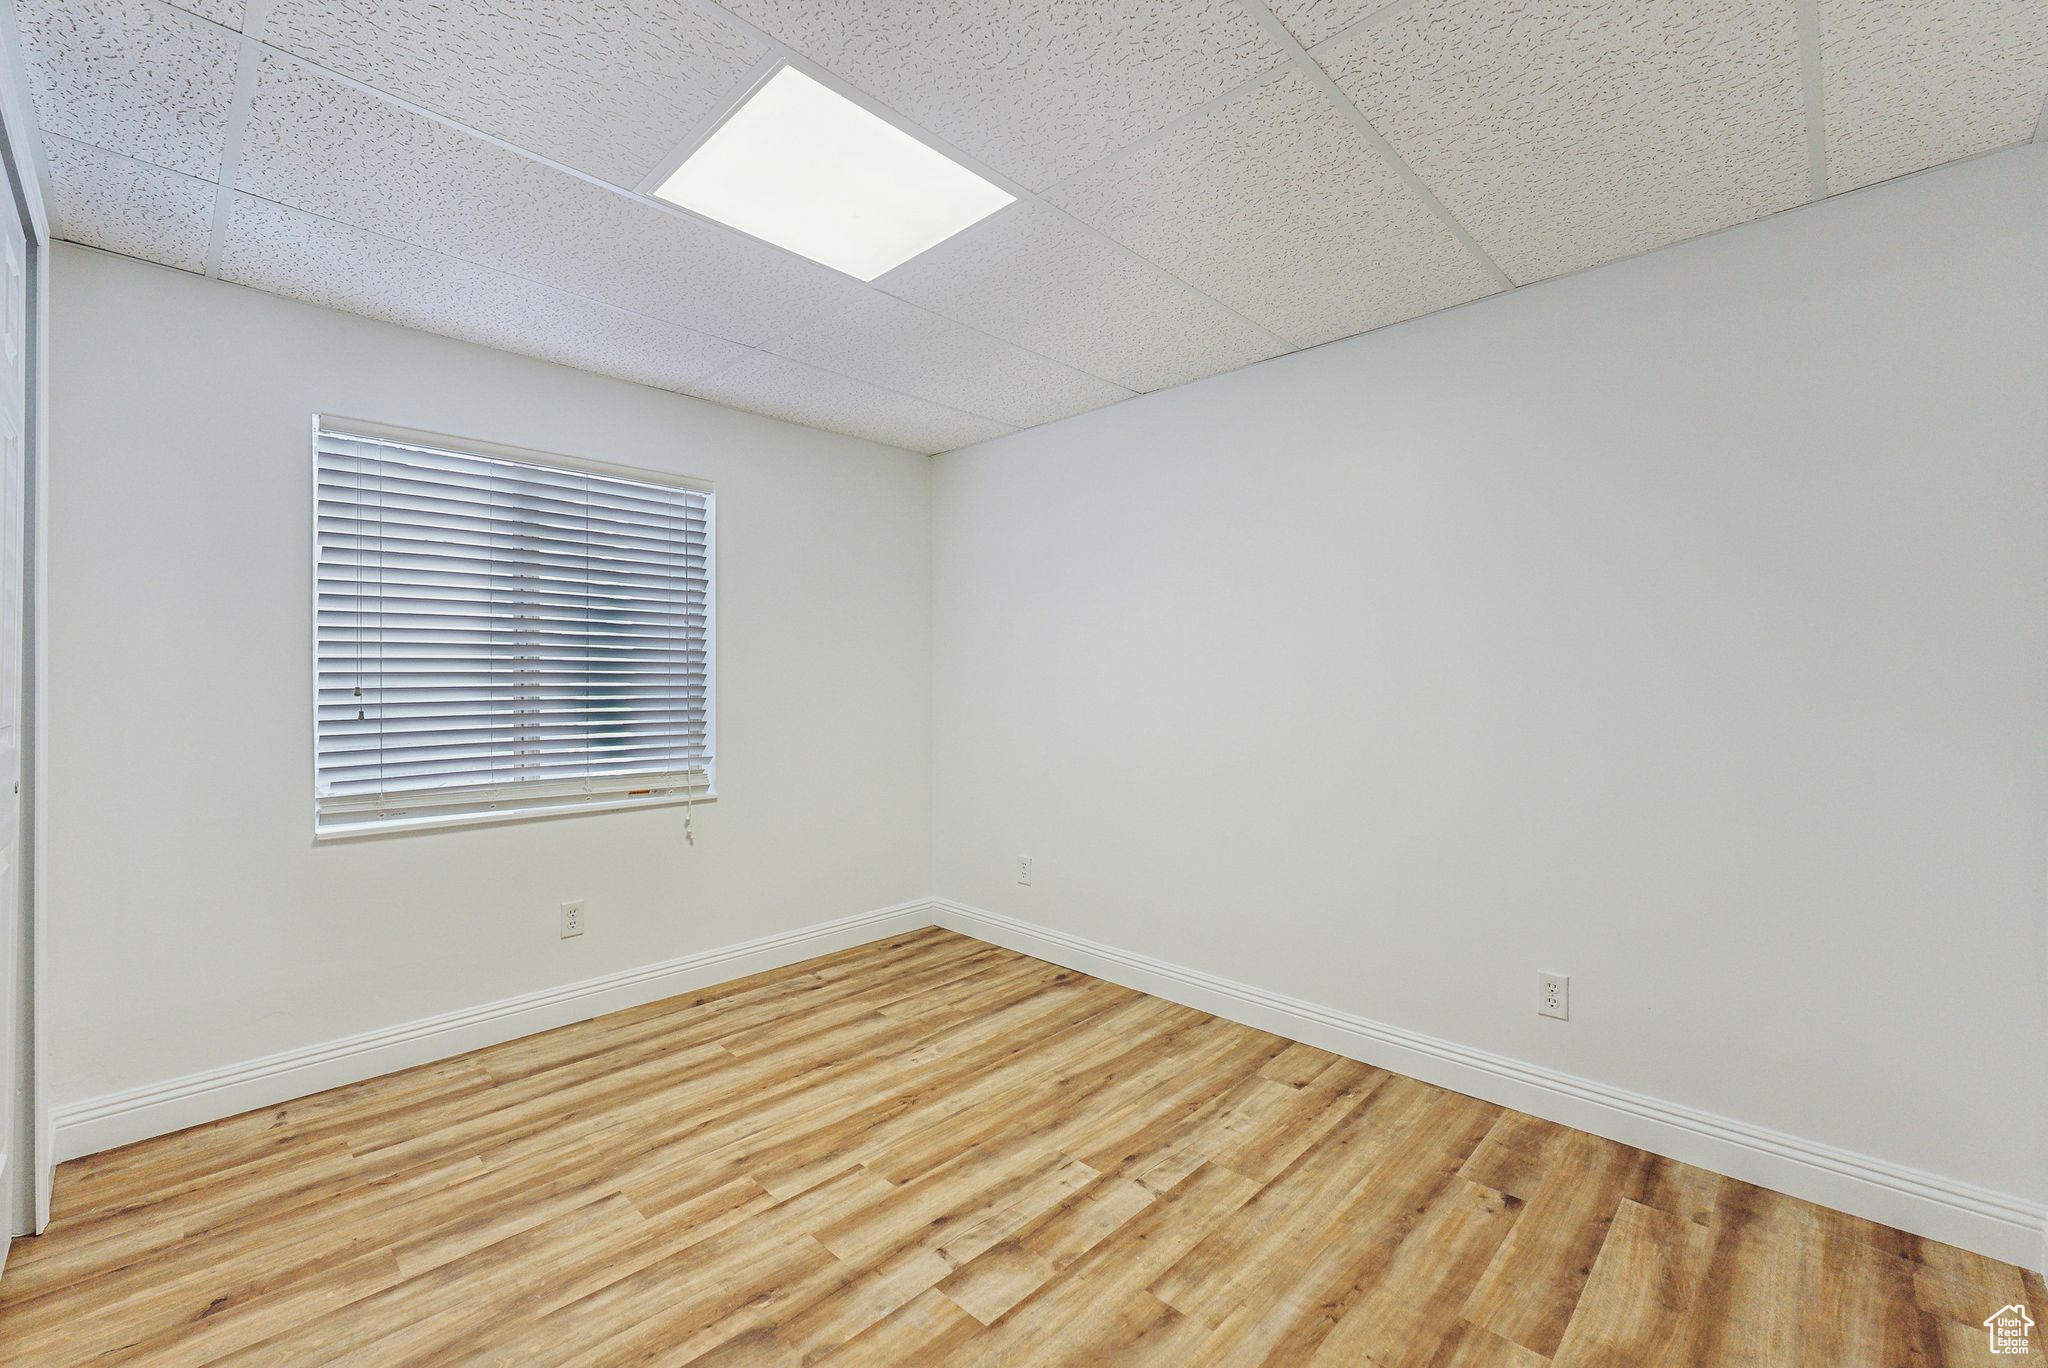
column 523, row 808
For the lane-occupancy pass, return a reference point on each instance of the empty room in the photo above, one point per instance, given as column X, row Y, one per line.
column 1024, row 682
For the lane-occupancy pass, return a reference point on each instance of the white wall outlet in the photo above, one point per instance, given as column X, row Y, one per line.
column 1554, row 996
column 572, row 919
column 1023, row 869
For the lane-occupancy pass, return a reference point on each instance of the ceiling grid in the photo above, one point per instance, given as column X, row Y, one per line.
column 1200, row 184
column 248, row 55
column 1286, row 40
column 777, row 55
column 1816, row 98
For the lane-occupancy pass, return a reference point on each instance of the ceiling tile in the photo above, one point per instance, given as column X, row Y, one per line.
column 1033, row 276
column 1036, row 90
column 128, row 206
column 321, row 145
column 1913, row 83
column 1275, row 204
column 303, row 257
column 607, row 88
column 1311, row 21
column 887, row 342
column 131, row 76
column 1563, row 133
column 781, row 388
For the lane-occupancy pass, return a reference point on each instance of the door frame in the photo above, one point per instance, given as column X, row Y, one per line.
column 25, row 1190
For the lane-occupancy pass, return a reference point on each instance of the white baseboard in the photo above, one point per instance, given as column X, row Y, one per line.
column 1994, row 1223
column 1998, row 1224
column 103, row 1123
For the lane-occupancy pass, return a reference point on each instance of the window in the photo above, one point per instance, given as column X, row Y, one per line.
column 499, row 635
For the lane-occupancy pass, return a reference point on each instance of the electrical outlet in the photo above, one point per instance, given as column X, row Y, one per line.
column 1023, row 869
column 1554, row 996
column 572, row 919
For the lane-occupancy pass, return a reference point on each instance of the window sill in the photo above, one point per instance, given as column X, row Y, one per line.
column 438, row 821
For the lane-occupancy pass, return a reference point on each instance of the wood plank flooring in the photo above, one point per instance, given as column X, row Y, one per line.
column 928, row 1151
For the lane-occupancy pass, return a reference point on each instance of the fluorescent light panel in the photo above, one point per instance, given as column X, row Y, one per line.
column 808, row 169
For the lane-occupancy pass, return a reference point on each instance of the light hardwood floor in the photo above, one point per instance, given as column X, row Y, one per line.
column 930, row 1150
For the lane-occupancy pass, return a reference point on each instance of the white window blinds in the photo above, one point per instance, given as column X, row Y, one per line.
column 494, row 634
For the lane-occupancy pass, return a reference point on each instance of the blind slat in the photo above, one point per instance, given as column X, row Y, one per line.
column 487, row 627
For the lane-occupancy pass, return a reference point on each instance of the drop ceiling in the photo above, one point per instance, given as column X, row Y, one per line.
column 1200, row 184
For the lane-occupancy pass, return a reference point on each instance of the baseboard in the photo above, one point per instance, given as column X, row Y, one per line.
column 1997, row 1224
column 1993, row 1223
column 104, row 1123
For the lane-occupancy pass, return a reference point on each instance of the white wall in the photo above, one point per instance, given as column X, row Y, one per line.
column 193, row 922
column 1678, row 626
column 1681, row 626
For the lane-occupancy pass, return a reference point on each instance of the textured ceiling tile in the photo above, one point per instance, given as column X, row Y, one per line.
column 1913, row 83
column 127, row 206
column 607, row 88
column 1032, row 276
column 297, row 255
column 781, row 388
column 321, row 145
column 1276, row 205
column 887, row 342
column 1035, row 88
column 1563, row 133
column 1311, row 21
column 133, row 77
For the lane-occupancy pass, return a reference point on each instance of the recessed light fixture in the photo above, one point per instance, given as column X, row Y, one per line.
column 808, row 169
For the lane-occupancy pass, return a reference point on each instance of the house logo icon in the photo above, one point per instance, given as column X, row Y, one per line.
column 2008, row 1326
